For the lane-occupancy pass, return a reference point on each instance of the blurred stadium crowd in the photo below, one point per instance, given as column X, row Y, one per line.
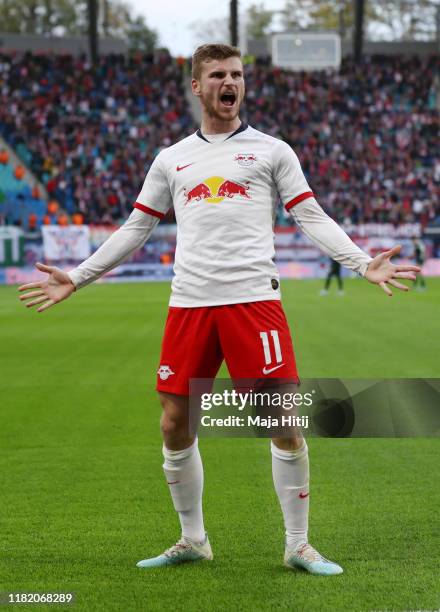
column 367, row 136
column 90, row 136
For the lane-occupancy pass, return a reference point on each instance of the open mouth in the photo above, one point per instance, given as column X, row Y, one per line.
column 228, row 99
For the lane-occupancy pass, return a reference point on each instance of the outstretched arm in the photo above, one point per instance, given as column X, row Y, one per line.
column 59, row 285
column 382, row 272
column 331, row 238
column 55, row 288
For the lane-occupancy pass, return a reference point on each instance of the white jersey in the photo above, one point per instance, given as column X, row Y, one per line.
column 225, row 195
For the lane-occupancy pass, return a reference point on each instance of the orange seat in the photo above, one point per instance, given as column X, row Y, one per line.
column 77, row 219
column 52, row 207
column 63, row 220
column 19, row 172
column 32, row 221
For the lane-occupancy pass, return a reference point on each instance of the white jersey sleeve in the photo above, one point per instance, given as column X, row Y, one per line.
column 288, row 176
column 122, row 243
column 155, row 197
column 329, row 236
column 155, row 200
column 298, row 199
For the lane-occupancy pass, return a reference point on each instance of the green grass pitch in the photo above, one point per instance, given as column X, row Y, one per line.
column 83, row 493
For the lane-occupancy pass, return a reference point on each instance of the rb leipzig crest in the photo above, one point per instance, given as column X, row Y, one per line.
column 245, row 159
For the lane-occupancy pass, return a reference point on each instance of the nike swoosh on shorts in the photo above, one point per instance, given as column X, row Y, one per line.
column 268, row 371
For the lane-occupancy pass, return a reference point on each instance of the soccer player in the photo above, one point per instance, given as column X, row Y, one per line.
column 334, row 271
column 224, row 182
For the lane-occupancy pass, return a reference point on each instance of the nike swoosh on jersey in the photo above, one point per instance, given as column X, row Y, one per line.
column 179, row 168
column 268, row 371
column 303, row 495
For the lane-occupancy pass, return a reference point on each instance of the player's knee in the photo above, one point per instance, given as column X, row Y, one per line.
column 171, row 425
column 174, row 421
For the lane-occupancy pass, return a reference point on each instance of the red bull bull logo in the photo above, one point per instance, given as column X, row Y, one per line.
column 215, row 189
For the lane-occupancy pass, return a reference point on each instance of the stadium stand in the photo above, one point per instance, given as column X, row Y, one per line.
column 90, row 135
column 19, row 203
column 367, row 136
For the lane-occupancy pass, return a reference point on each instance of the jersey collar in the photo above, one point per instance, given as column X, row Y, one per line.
column 242, row 128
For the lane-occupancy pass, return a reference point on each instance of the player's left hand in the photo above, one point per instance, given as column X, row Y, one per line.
column 382, row 272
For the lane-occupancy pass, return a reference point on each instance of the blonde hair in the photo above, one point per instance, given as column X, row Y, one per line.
column 206, row 53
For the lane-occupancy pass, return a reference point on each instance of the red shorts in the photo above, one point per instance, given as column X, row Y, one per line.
column 253, row 338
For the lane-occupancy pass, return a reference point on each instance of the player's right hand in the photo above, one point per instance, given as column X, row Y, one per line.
column 54, row 289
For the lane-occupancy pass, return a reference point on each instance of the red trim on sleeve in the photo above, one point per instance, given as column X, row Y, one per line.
column 298, row 199
column 149, row 211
